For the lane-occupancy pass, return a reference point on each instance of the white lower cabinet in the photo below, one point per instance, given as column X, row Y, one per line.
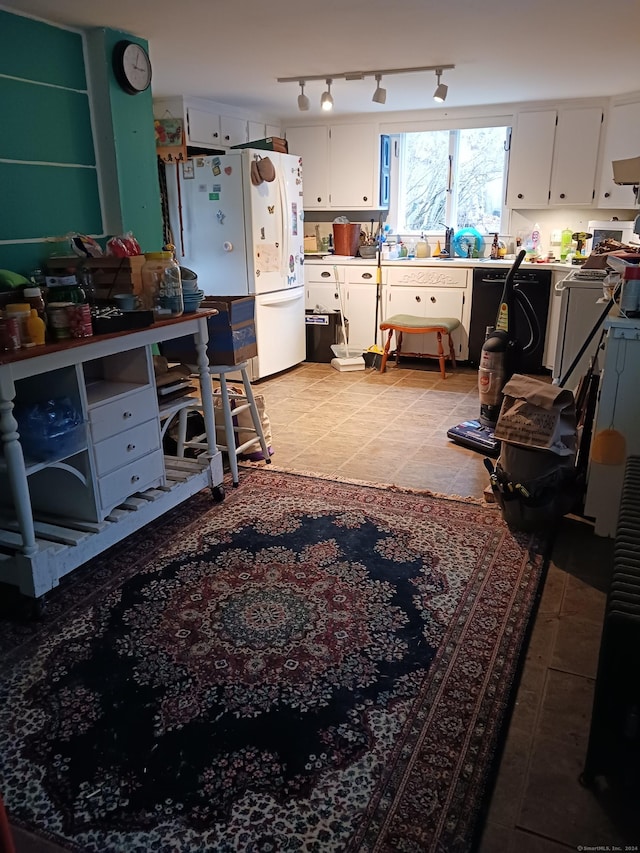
column 430, row 292
column 357, row 284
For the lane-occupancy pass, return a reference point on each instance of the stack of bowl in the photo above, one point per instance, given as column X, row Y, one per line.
column 192, row 296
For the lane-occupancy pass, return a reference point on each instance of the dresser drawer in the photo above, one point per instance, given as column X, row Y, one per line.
column 142, row 474
column 122, row 413
column 359, row 274
column 126, row 446
column 418, row 276
column 323, row 272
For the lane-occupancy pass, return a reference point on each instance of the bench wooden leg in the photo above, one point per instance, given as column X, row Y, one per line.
column 443, row 371
column 385, row 352
column 452, row 352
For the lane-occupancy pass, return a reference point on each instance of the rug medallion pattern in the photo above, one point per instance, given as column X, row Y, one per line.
column 308, row 666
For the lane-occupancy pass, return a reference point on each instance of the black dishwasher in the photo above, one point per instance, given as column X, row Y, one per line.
column 488, row 284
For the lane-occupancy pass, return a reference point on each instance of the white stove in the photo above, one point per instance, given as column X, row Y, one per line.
column 582, row 305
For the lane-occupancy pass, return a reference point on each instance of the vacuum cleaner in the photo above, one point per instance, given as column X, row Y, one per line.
column 500, row 358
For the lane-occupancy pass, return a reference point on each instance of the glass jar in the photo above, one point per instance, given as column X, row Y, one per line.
column 33, row 295
column 161, row 285
column 21, row 311
column 68, row 291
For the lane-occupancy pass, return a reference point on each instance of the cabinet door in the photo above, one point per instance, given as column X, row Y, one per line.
column 203, row 128
column 273, row 130
column 321, row 294
column 621, row 141
column 530, row 160
column 575, row 156
column 360, row 311
column 426, row 302
column 233, row 131
column 256, row 131
column 312, row 144
column 353, row 157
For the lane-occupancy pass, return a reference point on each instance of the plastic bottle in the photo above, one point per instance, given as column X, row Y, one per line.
column 36, row 328
column 411, row 249
column 33, row 295
column 566, row 239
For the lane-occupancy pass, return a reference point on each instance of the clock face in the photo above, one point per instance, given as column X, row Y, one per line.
column 132, row 67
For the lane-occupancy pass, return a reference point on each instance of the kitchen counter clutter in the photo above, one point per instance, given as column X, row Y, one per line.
column 422, row 287
column 87, row 467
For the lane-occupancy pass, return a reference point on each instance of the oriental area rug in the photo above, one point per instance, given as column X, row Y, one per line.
column 306, row 666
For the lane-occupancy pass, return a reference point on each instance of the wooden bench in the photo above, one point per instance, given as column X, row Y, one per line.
column 408, row 324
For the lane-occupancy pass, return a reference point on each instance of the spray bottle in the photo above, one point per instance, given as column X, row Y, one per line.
column 565, row 243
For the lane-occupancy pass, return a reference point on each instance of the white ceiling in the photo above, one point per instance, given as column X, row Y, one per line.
column 504, row 52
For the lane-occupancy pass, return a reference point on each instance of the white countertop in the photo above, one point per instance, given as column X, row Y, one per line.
column 432, row 262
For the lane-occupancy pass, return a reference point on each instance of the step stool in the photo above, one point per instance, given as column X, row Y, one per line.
column 247, row 403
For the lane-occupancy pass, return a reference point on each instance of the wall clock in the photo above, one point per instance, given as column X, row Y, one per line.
column 131, row 66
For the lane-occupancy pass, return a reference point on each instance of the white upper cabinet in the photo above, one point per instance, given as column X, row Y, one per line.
column 575, row 156
column 341, row 165
column 554, row 157
column 203, row 128
column 312, row 144
column 353, row 163
column 622, row 140
column 233, row 131
column 531, row 159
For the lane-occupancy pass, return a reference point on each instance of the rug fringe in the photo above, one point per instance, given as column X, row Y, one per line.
column 281, row 469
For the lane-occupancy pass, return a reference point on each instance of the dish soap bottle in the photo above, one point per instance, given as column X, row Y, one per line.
column 495, row 248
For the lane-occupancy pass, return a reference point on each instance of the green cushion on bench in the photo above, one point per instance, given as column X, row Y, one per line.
column 410, row 321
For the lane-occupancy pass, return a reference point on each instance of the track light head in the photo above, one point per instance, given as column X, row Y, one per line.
column 380, row 95
column 440, row 93
column 303, row 100
column 326, row 101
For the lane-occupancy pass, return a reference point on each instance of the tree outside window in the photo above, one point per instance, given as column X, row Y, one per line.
column 452, row 178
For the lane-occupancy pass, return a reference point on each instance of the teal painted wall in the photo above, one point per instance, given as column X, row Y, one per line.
column 52, row 180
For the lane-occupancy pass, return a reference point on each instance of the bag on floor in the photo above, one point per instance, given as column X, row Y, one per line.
column 243, row 421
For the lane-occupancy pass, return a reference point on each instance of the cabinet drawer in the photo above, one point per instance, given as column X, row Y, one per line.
column 122, row 413
column 117, row 486
column 315, row 272
column 428, row 276
column 365, row 275
column 126, row 446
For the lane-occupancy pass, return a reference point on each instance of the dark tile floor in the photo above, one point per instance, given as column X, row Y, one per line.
column 391, row 428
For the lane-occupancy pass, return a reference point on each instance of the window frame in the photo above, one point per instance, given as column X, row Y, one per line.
column 395, row 133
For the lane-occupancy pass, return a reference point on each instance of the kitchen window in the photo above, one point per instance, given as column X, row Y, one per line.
column 450, row 177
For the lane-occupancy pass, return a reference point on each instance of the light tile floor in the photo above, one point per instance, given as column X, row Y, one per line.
column 391, row 428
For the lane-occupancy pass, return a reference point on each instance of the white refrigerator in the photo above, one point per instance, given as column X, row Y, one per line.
column 246, row 239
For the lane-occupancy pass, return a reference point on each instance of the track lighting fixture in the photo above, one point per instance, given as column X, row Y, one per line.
column 440, row 93
column 326, row 101
column 303, row 100
column 380, row 95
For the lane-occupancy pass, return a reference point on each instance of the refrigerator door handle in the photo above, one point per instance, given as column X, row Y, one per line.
column 283, row 223
column 280, row 296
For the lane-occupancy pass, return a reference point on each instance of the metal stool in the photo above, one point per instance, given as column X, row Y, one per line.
column 219, row 371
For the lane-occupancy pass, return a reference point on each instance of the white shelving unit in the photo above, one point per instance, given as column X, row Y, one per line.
column 56, row 514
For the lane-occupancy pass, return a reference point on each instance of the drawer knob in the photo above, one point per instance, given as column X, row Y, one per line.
column 433, row 299
column 131, row 447
column 325, row 274
column 135, row 478
column 366, row 275
column 562, row 195
column 418, row 298
column 606, row 195
column 520, row 195
column 126, row 414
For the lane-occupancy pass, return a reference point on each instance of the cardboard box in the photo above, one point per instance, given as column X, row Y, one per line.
column 110, row 275
column 232, row 333
column 271, row 143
